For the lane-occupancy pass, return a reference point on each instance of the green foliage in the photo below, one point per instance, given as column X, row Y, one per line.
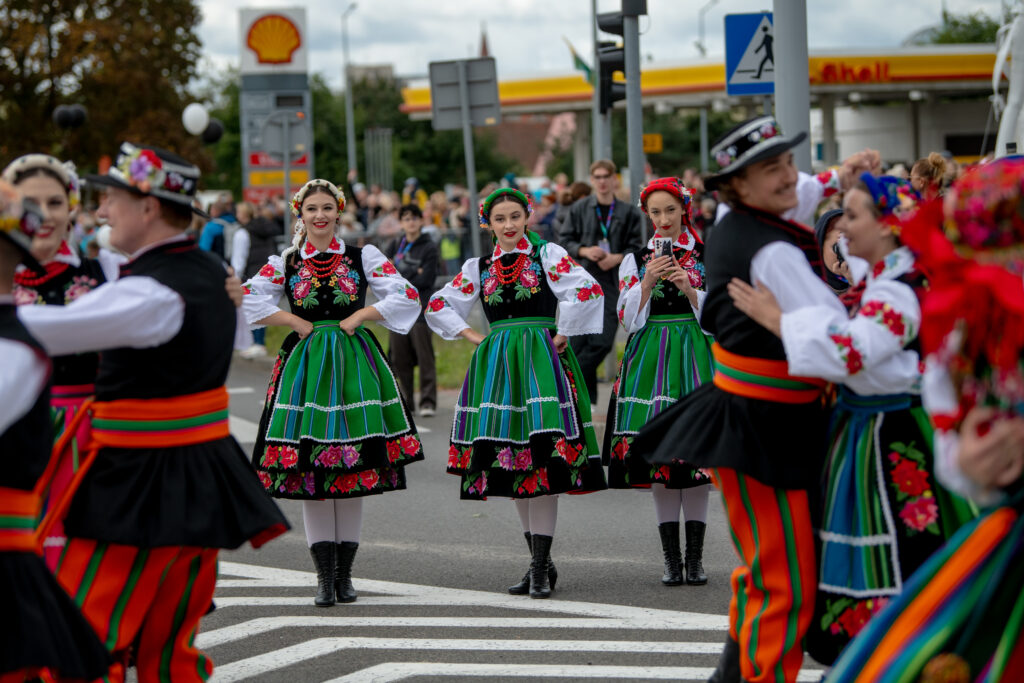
column 973, row 27
column 127, row 61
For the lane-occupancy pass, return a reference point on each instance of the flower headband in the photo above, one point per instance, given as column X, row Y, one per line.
column 986, row 210
column 64, row 170
column 297, row 198
column 486, row 204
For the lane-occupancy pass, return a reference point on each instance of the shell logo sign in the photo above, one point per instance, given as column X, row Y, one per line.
column 273, row 38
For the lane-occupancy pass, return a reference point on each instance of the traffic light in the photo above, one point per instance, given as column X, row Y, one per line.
column 610, row 58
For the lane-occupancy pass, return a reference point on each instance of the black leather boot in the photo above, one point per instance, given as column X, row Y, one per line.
column 324, row 559
column 728, row 669
column 523, row 587
column 669, row 532
column 539, row 586
column 695, row 575
column 343, row 579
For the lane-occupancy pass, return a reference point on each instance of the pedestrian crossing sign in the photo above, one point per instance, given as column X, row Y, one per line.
column 749, row 55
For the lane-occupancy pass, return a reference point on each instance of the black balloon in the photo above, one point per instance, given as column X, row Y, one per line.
column 69, row 115
column 214, row 131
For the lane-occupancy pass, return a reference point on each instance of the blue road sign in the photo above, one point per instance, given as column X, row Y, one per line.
column 749, row 56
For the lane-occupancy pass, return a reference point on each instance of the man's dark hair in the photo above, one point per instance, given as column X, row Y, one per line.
column 412, row 209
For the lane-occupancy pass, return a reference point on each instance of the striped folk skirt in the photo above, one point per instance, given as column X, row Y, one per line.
column 522, row 423
column 884, row 513
column 962, row 611
column 664, row 361
column 335, row 425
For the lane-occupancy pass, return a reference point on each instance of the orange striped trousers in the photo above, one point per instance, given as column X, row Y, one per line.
column 773, row 588
column 150, row 597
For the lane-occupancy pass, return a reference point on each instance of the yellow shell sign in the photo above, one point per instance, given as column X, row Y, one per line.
column 274, row 38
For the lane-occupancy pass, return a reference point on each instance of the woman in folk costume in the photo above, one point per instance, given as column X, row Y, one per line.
column 44, row 633
column 667, row 356
column 960, row 616
column 334, row 428
column 55, row 187
column 883, row 513
column 522, row 425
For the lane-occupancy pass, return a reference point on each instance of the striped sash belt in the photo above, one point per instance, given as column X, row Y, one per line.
column 511, row 323
column 19, row 514
column 760, row 378
column 161, row 422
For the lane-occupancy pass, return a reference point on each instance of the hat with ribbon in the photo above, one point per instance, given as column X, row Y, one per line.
column 753, row 140
column 152, row 172
column 19, row 221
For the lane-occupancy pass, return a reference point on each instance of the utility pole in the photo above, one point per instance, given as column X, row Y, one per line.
column 793, row 92
column 596, row 120
column 631, row 12
column 350, row 124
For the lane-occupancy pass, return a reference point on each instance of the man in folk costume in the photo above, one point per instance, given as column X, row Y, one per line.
column 168, row 486
column 759, row 430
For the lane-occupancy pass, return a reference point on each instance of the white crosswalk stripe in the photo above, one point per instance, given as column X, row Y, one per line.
column 466, row 635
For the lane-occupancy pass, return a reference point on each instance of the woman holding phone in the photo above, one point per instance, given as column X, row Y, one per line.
column 667, row 356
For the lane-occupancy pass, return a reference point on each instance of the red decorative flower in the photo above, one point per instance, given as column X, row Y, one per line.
column 529, row 483
column 854, row 618
column 919, row 513
column 467, row 455
column 346, row 285
column 341, row 270
column 388, row 268
column 622, row 315
column 583, row 294
column 436, row 304
column 394, row 450
column 871, row 308
column 265, row 479
column 596, row 290
column 523, row 243
column 271, row 456
column 457, row 281
column 694, row 276
column 305, row 273
column 542, row 478
column 565, row 265
column 267, row 271
column 878, row 268
column 620, row 449
column 246, row 289
column 468, row 288
column 453, row 457
column 411, row 293
column 523, row 460
column 410, row 444
column 894, row 321
column 368, row 479
column 289, row 456
column 490, row 284
column 909, row 478
column 301, row 289
column 334, row 245
column 661, row 473
column 562, row 448
column 528, row 278
column 151, row 157
column 345, row 483
column 309, row 249
column 330, row 456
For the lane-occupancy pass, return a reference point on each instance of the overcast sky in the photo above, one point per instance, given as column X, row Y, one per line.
column 525, row 36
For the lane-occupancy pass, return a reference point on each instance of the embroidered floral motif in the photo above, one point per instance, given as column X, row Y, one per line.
column 921, row 514
column 25, row 295
column 411, row 293
column 884, row 314
column 588, row 293
column 911, row 481
column 289, row 456
column 384, row 270
column 628, row 282
column 490, row 288
column 529, row 282
column 660, row 473
column 436, row 303
column 564, row 265
column 848, row 616
column 79, row 285
column 332, row 456
column 848, row 353
column 532, row 482
column 274, row 374
column 291, row 482
column 345, row 483
column 459, row 459
column 475, row 484
column 621, row 448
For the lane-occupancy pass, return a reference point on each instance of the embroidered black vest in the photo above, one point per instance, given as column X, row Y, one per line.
column 525, row 296
column 327, row 286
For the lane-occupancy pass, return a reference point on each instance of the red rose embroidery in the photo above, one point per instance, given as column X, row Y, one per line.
column 265, row 479
column 468, row 288
column 289, row 456
column 345, row 483
column 310, row 249
column 457, row 281
column 271, row 456
column 334, row 245
column 528, row 278
column 919, row 513
column 301, row 289
column 436, row 304
column 411, row 293
column 583, row 294
column 565, row 265
column 347, row 286
column 855, row 618
column 596, row 291
column 388, row 268
column 368, row 479
column 529, row 484
column 267, row 271
column 490, row 284
column 542, row 478
column 523, row 243
column 410, row 444
column 394, row 450
column 909, row 479
column 453, row 457
column 894, row 321
column 305, row 273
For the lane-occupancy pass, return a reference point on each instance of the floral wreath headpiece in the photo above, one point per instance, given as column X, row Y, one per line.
column 65, row 170
column 892, row 196
column 297, row 198
column 674, row 186
column 486, row 204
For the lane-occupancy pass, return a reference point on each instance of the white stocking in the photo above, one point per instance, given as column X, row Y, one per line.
column 666, row 503
column 695, row 503
column 543, row 515
column 318, row 519
column 348, row 519
column 523, row 509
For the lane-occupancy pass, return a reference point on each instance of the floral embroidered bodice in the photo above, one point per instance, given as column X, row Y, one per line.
column 326, row 286
column 513, row 286
column 666, row 298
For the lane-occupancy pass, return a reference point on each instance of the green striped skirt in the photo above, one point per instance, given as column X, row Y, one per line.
column 335, row 425
column 522, row 427
column 664, row 361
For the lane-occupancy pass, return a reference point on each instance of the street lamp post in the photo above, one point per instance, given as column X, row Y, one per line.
column 284, row 118
column 350, row 124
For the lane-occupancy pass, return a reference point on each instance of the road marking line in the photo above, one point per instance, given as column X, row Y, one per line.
column 241, row 390
column 244, row 431
column 453, row 596
column 397, row 671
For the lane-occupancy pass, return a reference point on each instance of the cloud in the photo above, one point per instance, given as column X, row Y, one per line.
column 525, row 36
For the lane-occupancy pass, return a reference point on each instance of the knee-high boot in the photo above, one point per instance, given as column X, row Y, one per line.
column 669, row 532
column 695, row 575
column 523, row 587
column 539, row 586
column 343, row 579
column 324, row 559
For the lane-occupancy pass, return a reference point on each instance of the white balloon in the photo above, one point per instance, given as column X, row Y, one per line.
column 195, row 118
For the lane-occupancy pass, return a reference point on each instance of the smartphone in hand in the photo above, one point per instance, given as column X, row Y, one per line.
column 662, row 246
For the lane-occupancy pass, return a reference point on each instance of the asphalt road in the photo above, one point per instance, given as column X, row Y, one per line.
column 431, row 574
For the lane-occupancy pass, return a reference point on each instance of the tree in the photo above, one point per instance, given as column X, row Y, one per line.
column 973, row 27
column 128, row 61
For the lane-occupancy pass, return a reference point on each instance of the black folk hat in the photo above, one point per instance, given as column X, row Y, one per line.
column 753, row 140
column 152, row 172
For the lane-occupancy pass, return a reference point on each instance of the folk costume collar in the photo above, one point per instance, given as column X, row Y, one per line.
column 523, row 246
column 336, row 246
column 896, row 263
column 686, row 241
column 64, row 255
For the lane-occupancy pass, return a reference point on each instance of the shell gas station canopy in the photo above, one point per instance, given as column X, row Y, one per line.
column 874, row 75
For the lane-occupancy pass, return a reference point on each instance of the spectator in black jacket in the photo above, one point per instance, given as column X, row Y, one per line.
column 598, row 232
column 416, row 257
